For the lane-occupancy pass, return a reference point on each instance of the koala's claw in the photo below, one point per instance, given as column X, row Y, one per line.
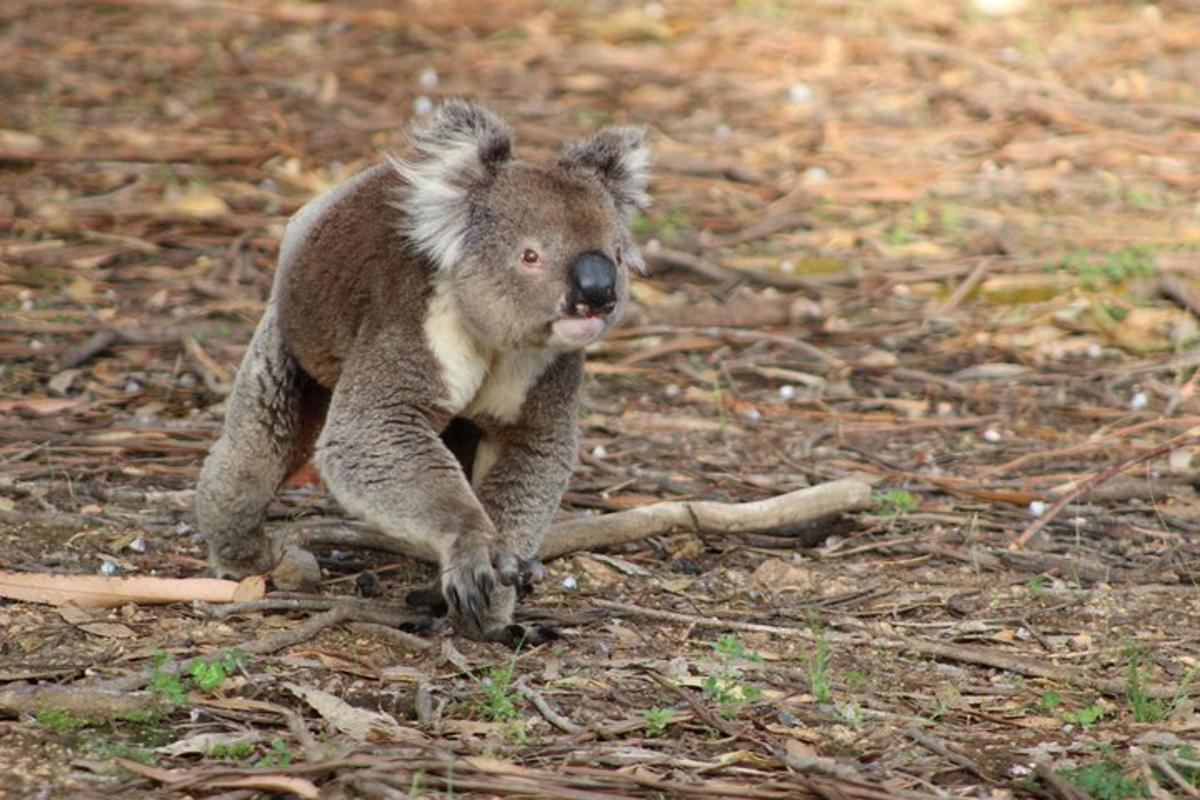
column 468, row 584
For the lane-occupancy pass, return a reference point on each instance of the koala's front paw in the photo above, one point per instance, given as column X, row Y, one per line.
column 468, row 583
column 524, row 634
column 236, row 557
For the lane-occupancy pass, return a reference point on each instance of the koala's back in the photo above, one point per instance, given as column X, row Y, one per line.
column 343, row 266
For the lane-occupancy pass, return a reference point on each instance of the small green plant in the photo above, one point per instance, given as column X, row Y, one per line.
column 1145, row 708
column 498, row 693
column 237, row 751
column 1037, row 586
column 818, row 666
column 1116, row 267
column 61, row 721
column 1105, row 780
column 895, row 502
column 166, row 684
column 208, row 675
column 278, row 756
column 724, row 686
column 1084, row 716
column 1050, row 700
column 855, row 681
column 656, row 720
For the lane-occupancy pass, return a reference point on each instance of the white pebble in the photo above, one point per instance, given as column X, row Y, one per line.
column 428, row 79
column 1037, row 508
column 569, row 583
column 1138, row 401
column 422, row 106
column 108, row 568
column 27, row 305
column 1094, row 350
column 800, row 93
column 138, row 545
column 752, row 414
column 787, row 391
column 599, row 451
column 133, row 387
column 672, row 391
column 815, row 175
column 787, row 266
column 992, row 435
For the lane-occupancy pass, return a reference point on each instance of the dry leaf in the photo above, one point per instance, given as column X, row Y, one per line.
column 357, row 723
column 40, row 405
column 203, row 743
column 108, row 630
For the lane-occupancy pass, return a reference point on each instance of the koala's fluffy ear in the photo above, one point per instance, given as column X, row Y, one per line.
column 454, row 154
column 620, row 158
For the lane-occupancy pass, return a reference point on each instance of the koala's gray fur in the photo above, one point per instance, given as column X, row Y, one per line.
column 403, row 311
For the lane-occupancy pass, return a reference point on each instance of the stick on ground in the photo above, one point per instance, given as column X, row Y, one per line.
column 780, row 513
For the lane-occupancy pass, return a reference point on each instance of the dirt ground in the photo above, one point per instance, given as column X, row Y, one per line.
column 951, row 246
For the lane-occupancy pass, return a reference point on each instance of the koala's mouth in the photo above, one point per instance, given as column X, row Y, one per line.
column 574, row 332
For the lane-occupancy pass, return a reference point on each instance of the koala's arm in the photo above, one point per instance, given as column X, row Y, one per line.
column 381, row 456
column 535, row 456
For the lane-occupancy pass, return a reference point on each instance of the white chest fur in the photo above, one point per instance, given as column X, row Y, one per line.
column 478, row 380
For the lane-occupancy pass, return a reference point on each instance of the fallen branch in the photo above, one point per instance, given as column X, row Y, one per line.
column 101, row 591
column 775, row 514
column 1183, row 439
column 85, row 702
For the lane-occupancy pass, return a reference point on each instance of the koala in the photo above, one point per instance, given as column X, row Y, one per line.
column 422, row 343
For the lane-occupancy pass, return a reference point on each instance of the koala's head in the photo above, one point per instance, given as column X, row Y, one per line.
column 535, row 254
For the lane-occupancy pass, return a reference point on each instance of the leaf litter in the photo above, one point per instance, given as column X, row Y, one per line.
column 949, row 247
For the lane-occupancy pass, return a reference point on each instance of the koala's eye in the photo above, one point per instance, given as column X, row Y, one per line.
column 530, row 256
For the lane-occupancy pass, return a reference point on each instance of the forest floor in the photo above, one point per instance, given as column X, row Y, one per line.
column 957, row 252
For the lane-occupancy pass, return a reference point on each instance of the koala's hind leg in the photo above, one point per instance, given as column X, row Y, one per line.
column 271, row 418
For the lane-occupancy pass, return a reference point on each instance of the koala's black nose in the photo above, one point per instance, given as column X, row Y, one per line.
column 594, row 282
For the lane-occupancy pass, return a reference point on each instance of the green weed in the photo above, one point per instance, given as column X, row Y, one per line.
column 278, row 756
column 895, row 502
column 1145, row 708
column 656, row 720
column 1084, row 716
column 166, row 684
column 1050, row 700
column 499, row 696
column 724, row 686
column 818, row 667
column 208, row 675
column 61, row 721
column 237, row 751
column 1105, row 780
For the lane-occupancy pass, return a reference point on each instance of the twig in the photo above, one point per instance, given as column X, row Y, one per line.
column 704, row 712
column 1182, row 783
column 968, row 654
column 935, row 745
column 700, row 621
column 314, row 625
column 966, row 287
column 1097, row 478
column 544, row 708
column 394, row 635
